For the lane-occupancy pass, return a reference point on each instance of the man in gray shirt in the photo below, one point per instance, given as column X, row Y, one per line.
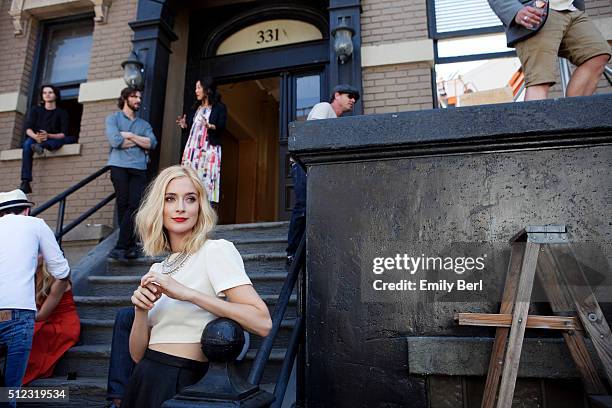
column 130, row 139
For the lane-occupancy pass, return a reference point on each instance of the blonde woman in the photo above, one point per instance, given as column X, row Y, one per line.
column 57, row 326
column 179, row 296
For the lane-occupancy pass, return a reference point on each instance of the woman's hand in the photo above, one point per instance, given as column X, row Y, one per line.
column 168, row 285
column 181, row 121
column 145, row 296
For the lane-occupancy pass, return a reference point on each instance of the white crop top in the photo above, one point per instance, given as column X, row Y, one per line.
column 216, row 267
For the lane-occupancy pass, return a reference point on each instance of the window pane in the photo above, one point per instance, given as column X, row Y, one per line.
column 455, row 15
column 482, row 44
column 308, row 94
column 480, row 82
column 67, row 56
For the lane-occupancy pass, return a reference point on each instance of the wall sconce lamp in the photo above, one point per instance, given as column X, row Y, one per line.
column 133, row 71
column 343, row 39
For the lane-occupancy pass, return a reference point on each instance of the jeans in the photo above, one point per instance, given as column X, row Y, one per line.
column 129, row 185
column 297, row 224
column 121, row 364
column 17, row 335
column 28, row 155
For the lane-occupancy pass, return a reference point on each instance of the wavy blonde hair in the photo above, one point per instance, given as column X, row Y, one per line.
column 43, row 280
column 150, row 216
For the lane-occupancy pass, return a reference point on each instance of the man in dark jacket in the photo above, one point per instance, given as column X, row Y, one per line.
column 46, row 128
column 541, row 31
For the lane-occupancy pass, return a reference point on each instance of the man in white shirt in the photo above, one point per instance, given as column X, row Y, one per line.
column 541, row 30
column 342, row 100
column 22, row 238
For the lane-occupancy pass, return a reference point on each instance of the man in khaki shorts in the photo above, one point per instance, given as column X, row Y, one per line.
column 540, row 31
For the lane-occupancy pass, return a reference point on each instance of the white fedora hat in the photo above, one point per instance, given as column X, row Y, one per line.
column 15, row 198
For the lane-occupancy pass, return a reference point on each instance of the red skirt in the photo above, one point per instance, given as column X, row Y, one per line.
column 52, row 338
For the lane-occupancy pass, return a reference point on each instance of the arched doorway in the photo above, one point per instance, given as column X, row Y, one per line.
column 271, row 66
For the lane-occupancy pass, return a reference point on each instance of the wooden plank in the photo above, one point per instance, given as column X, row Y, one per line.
column 587, row 307
column 501, row 333
column 505, row 320
column 561, row 302
column 469, row 356
column 519, row 321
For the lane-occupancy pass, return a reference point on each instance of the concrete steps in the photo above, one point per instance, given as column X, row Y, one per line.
column 100, row 331
column 106, row 307
column 83, row 392
column 91, row 361
column 265, row 282
column 262, row 247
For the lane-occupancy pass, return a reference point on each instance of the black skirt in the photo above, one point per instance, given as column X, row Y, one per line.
column 159, row 377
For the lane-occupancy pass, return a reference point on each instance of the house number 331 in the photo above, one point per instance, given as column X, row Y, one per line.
column 266, row 36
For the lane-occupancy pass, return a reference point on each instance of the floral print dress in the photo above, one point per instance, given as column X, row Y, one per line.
column 203, row 157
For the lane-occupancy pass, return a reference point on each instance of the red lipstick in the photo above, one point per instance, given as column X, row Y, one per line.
column 179, row 219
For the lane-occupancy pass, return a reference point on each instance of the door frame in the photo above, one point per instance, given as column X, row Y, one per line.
column 288, row 62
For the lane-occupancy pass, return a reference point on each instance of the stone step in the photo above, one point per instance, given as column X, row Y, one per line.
column 264, row 282
column 100, row 331
column 253, row 263
column 248, row 246
column 87, row 392
column 83, row 392
column 93, row 360
column 85, row 360
column 96, row 331
column 273, row 365
column 106, row 307
column 255, row 230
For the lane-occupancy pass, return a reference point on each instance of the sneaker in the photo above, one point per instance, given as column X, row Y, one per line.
column 117, row 253
column 289, row 261
column 37, row 148
column 25, row 186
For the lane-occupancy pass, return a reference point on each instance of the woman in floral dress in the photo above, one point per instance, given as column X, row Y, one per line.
column 203, row 149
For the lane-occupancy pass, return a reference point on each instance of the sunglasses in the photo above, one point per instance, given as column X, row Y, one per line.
column 351, row 95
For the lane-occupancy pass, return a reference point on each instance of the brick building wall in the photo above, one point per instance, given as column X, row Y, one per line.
column 110, row 46
column 397, row 87
column 393, row 21
column 16, row 68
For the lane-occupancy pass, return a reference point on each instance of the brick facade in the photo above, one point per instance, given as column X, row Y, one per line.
column 111, row 45
column 16, row 68
column 396, row 88
column 393, row 21
column 112, row 42
column 599, row 8
column 400, row 87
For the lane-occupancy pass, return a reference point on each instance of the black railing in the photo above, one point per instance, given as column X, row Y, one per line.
column 608, row 74
column 60, row 230
column 265, row 349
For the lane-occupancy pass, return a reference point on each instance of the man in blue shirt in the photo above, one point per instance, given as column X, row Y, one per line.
column 131, row 139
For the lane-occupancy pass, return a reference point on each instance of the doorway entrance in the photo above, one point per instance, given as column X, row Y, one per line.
column 256, row 185
column 250, row 170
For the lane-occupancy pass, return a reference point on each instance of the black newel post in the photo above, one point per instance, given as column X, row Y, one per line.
column 222, row 341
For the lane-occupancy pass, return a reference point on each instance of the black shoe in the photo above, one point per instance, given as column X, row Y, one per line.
column 133, row 253
column 289, row 261
column 37, row 148
column 25, row 186
column 117, row 253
